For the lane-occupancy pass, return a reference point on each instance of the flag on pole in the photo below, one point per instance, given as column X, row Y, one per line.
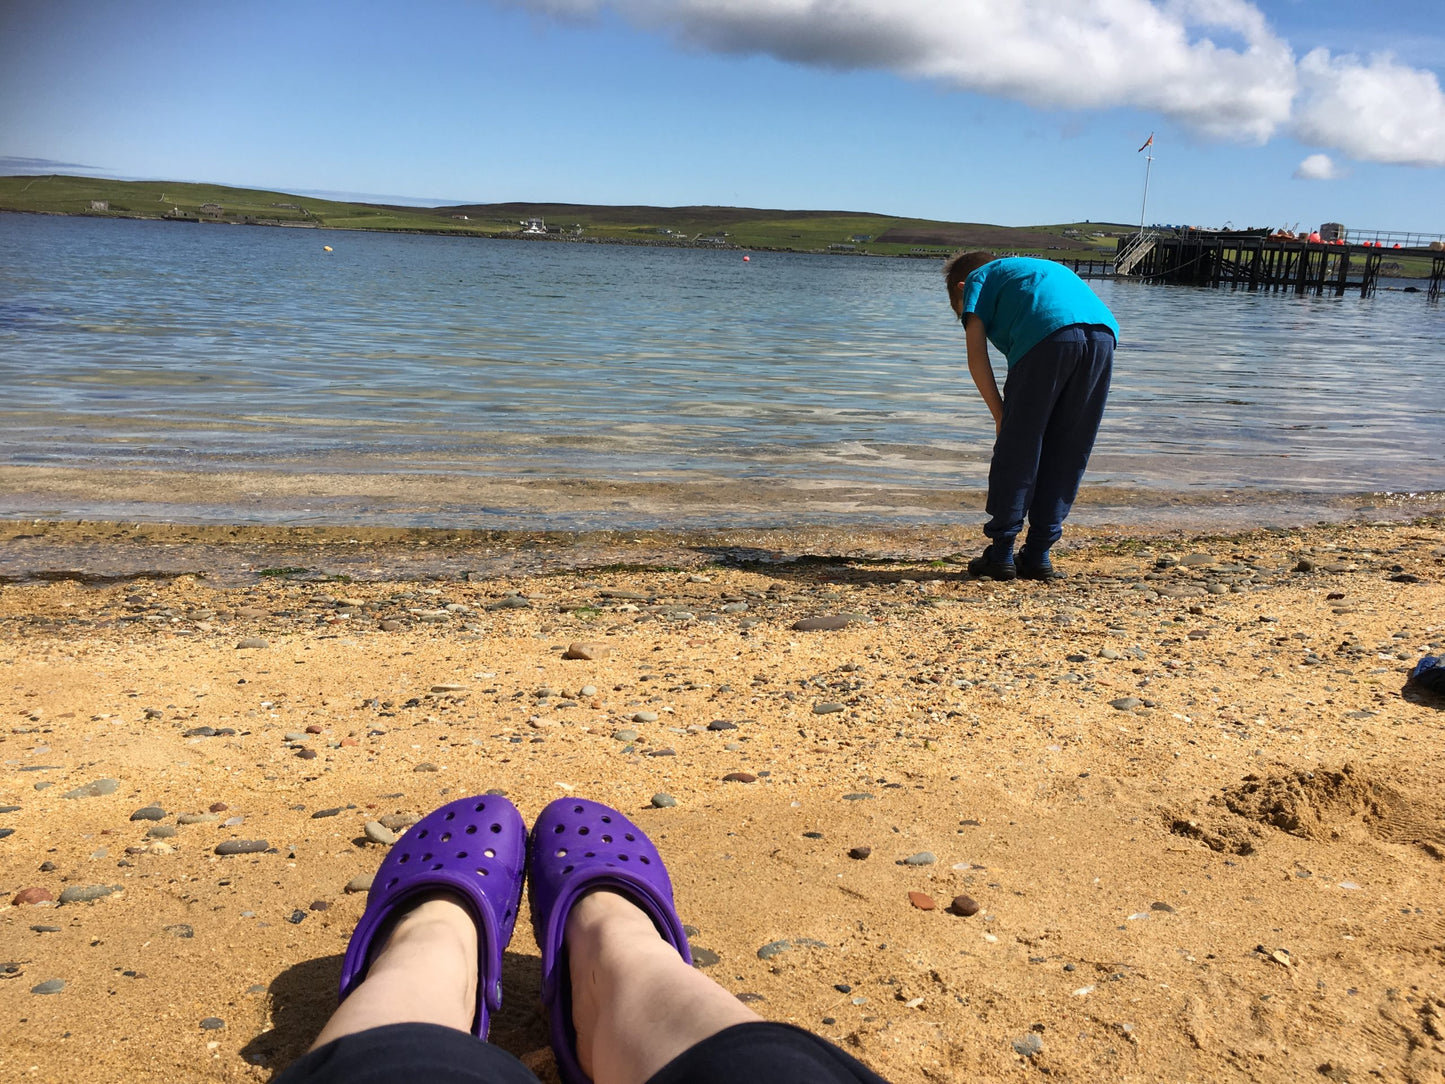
column 1147, row 144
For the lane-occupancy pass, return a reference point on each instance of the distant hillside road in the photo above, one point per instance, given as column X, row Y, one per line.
column 969, row 235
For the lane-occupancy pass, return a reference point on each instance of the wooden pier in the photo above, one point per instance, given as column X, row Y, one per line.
column 1251, row 261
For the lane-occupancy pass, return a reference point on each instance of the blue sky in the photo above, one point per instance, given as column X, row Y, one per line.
column 1009, row 111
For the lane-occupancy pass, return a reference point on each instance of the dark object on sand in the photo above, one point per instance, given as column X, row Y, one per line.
column 1429, row 674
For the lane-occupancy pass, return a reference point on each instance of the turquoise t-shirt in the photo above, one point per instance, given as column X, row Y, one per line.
column 1022, row 301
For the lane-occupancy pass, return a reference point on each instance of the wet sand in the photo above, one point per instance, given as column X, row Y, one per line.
column 1198, row 808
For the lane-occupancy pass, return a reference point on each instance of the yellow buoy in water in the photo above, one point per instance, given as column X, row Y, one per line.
column 326, row 247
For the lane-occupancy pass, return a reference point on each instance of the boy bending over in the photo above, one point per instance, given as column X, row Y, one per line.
column 1058, row 338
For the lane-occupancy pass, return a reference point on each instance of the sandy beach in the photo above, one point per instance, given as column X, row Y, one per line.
column 1200, row 814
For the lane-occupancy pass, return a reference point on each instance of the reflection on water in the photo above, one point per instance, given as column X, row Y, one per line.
column 208, row 347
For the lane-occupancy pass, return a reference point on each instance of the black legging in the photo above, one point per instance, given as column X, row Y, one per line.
column 413, row 1053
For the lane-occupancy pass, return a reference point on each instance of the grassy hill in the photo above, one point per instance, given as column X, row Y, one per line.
column 802, row 231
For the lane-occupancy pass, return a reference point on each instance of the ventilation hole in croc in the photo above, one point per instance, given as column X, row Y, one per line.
column 426, row 857
column 590, row 854
column 561, row 853
column 630, row 838
column 622, row 858
column 461, row 856
column 451, row 815
column 606, row 819
column 559, row 829
column 490, row 853
column 576, row 809
column 606, row 839
column 405, row 858
column 583, row 830
column 644, row 860
column 423, row 833
column 483, row 871
column 479, row 807
column 446, row 837
column 568, row 870
column 392, row 883
column 496, row 829
column 436, row 867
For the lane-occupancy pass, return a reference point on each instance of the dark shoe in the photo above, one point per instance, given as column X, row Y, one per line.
column 1044, row 570
column 985, row 567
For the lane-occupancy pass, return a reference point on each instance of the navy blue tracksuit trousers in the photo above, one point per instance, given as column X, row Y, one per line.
column 1053, row 401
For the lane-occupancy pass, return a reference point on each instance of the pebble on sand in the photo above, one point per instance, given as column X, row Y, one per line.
column 49, row 986
column 149, row 813
column 740, row 777
column 87, row 893
column 587, row 652
column 1028, row 1046
column 822, row 624
column 360, row 883
column 94, row 790
column 922, row 858
column 860, row 852
column 212, row 1023
column 252, row 643
column 965, row 906
column 1125, row 703
column 828, row 708
column 38, row 894
column 376, row 832
column 663, row 801
column 243, row 846
column 922, row 901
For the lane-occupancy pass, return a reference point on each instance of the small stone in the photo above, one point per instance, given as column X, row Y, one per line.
column 318, row 905
column 321, row 813
column 774, row 948
column 33, row 895
column 1159, row 905
column 360, row 883
column 645, row 717
column 857, row 796
column 721, row 724
column 665, row 752
column 1110, row 653
column 587, row 652
column 425, row 766
column 922, row 858
column 49, row 986
column 828, row 708
column 626, row 734
column 860, row 852
column 1028, row 1046
column 448, row 688
column 740, row 777
column 94, row 790
column 398, row 821
column 86, row 893
column 306, row 754
column 1304, row 565
column 663, row 801
column 196, row 818
column 376, row 832
column 243, row 846
column 822, row 624
column 212, row 1023
column 1125, row 703
column 149, row 813
column 182, row 930
column 251, row 643
column 161, row 831
column 748, row 998
column 922, row 901
column 964, row 906
column 218, row 807
column 702, row 957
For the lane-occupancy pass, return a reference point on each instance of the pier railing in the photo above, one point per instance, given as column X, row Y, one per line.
column 1133, row 250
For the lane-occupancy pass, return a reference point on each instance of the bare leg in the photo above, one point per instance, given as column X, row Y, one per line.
column 425, row 973
column 635, row 1004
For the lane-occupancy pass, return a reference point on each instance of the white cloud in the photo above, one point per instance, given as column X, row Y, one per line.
column 1374, row 111
column 1215, row 66
column 1317, row 167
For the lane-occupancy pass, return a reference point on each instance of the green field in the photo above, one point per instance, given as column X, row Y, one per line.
column 799, row 231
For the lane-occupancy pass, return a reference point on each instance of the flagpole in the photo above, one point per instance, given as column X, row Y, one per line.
column 1148, row 166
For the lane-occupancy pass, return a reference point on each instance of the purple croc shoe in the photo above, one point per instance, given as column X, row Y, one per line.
column 576, row 847
column 475, row 847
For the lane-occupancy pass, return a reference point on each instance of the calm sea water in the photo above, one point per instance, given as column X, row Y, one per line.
column 211, row 348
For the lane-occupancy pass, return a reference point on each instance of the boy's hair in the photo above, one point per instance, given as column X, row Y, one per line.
column 962, row 264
